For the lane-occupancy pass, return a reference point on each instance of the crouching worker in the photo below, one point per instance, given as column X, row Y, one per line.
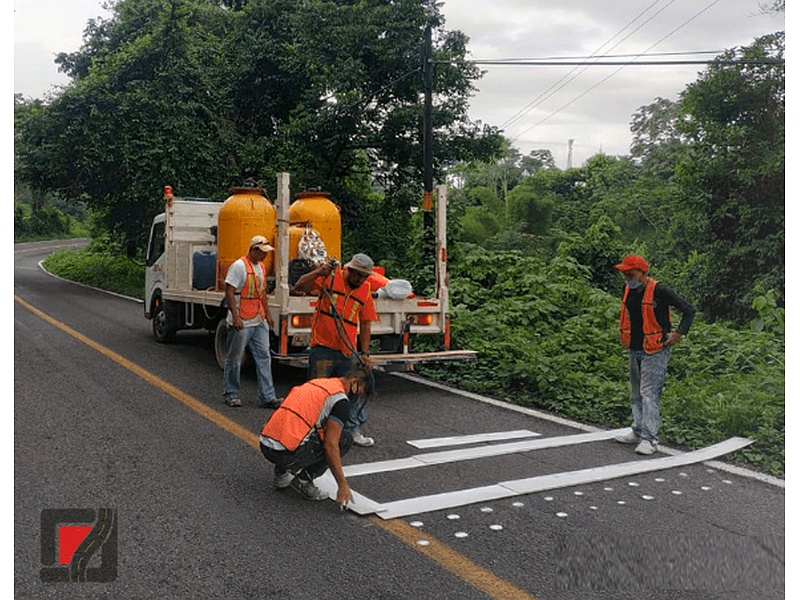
column 305, row 435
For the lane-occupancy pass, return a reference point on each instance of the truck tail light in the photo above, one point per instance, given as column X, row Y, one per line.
column 301, row 320
column 420, row 319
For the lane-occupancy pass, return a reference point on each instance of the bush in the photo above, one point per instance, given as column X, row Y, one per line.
column 547, row 338
column 103, row 265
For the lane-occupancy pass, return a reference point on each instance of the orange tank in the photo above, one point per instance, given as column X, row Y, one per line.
column 246, row 213
column 316, row 208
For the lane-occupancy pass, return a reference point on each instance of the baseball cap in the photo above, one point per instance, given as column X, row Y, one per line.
column 260, row 242
column 631, row 262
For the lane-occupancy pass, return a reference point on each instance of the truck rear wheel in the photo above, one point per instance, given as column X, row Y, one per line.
column 163, row 330
column 221, row 342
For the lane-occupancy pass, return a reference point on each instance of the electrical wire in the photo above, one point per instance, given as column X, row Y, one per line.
column 595, row 86
column 576, row 72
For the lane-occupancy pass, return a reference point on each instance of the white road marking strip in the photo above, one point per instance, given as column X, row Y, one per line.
column 505, row 489
column 721, row 466
column 446, row 456
column 461, row 440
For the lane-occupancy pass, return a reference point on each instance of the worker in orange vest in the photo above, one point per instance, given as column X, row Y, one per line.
column 305, row 435
column 342, row 322
column 249, row 324
column 645, row 328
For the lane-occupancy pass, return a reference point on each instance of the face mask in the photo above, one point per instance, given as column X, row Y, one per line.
column 633, row 283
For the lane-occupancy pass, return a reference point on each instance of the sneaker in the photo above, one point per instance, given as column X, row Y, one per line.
column 233, row 402
column 275, row 403
column 307, row 489
column 361, row 440
column 281, row 481
column 628, row 438
column 646, row 447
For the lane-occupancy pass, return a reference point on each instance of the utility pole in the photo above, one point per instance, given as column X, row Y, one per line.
column 427, row 143
column 569, row 154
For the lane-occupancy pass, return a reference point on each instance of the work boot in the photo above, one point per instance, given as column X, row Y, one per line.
column 628, row 438
column 646, row 447
column 308, row 490
column 282, row 479
column 361, row 440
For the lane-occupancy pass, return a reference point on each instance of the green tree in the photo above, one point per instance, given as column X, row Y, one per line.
column 201, row 95
column 734, row 174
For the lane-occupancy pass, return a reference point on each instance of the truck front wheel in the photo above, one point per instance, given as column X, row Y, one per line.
column 163, row 330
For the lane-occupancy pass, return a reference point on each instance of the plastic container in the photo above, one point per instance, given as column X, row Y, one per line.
column 316, row 208
column 204, row 270
column 246, row 213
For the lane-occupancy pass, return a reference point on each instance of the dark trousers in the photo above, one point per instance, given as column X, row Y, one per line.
column 309, row 461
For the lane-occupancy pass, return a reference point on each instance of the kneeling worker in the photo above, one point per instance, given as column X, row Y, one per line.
column 305, row 435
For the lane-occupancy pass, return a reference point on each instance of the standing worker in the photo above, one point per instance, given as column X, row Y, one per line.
column 645, row 328
column 305, row 435
column 249, row 322
column 342, row 320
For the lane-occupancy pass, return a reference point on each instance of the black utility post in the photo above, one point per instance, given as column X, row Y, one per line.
column 427, row 145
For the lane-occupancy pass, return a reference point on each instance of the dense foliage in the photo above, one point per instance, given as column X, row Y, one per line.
column 200, row 96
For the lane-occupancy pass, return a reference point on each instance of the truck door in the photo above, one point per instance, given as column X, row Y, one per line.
column 154, row 274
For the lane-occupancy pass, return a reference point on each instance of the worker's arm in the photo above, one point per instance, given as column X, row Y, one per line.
column 364, row 337
column 333, row 433
column 305, row 283
column 230, row 299
column 268, row 315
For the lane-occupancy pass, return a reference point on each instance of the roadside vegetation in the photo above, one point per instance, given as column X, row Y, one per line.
column 530, row 247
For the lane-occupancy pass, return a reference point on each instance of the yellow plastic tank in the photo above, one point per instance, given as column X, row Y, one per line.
column 246, row 213
column 316, row 208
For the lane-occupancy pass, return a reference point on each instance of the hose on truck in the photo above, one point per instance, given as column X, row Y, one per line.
column 339, row 321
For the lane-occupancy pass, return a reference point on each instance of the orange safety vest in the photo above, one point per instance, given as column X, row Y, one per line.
column 324, row 330
column 653, row 334
column 250, row 303
column 299, row 412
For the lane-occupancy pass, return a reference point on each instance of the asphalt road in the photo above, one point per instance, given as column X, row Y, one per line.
column 105, row 418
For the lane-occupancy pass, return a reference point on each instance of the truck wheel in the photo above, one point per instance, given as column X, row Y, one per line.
column 221, row 342
column 163, row 330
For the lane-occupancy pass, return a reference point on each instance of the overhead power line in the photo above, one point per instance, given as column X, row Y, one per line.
column 575, row 99
column 622, row 63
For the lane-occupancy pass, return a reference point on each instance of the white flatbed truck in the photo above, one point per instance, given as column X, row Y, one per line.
column 174, row 302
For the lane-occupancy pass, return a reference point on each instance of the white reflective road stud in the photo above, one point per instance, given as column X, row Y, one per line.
column 461, row 440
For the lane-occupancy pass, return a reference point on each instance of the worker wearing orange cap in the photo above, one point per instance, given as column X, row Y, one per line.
column 645, row 328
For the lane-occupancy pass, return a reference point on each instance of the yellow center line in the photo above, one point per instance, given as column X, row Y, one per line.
column 457, row 564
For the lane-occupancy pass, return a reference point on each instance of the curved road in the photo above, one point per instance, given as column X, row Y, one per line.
column 105, row 417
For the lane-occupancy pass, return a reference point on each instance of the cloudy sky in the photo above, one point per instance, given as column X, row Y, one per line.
column 537, row 107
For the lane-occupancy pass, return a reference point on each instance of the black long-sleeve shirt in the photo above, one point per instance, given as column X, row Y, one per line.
column 664, row 297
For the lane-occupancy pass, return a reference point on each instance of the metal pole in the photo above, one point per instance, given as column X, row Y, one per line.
column 427, row 145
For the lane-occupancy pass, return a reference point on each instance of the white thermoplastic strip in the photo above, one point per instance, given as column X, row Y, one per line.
column 461, row 440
